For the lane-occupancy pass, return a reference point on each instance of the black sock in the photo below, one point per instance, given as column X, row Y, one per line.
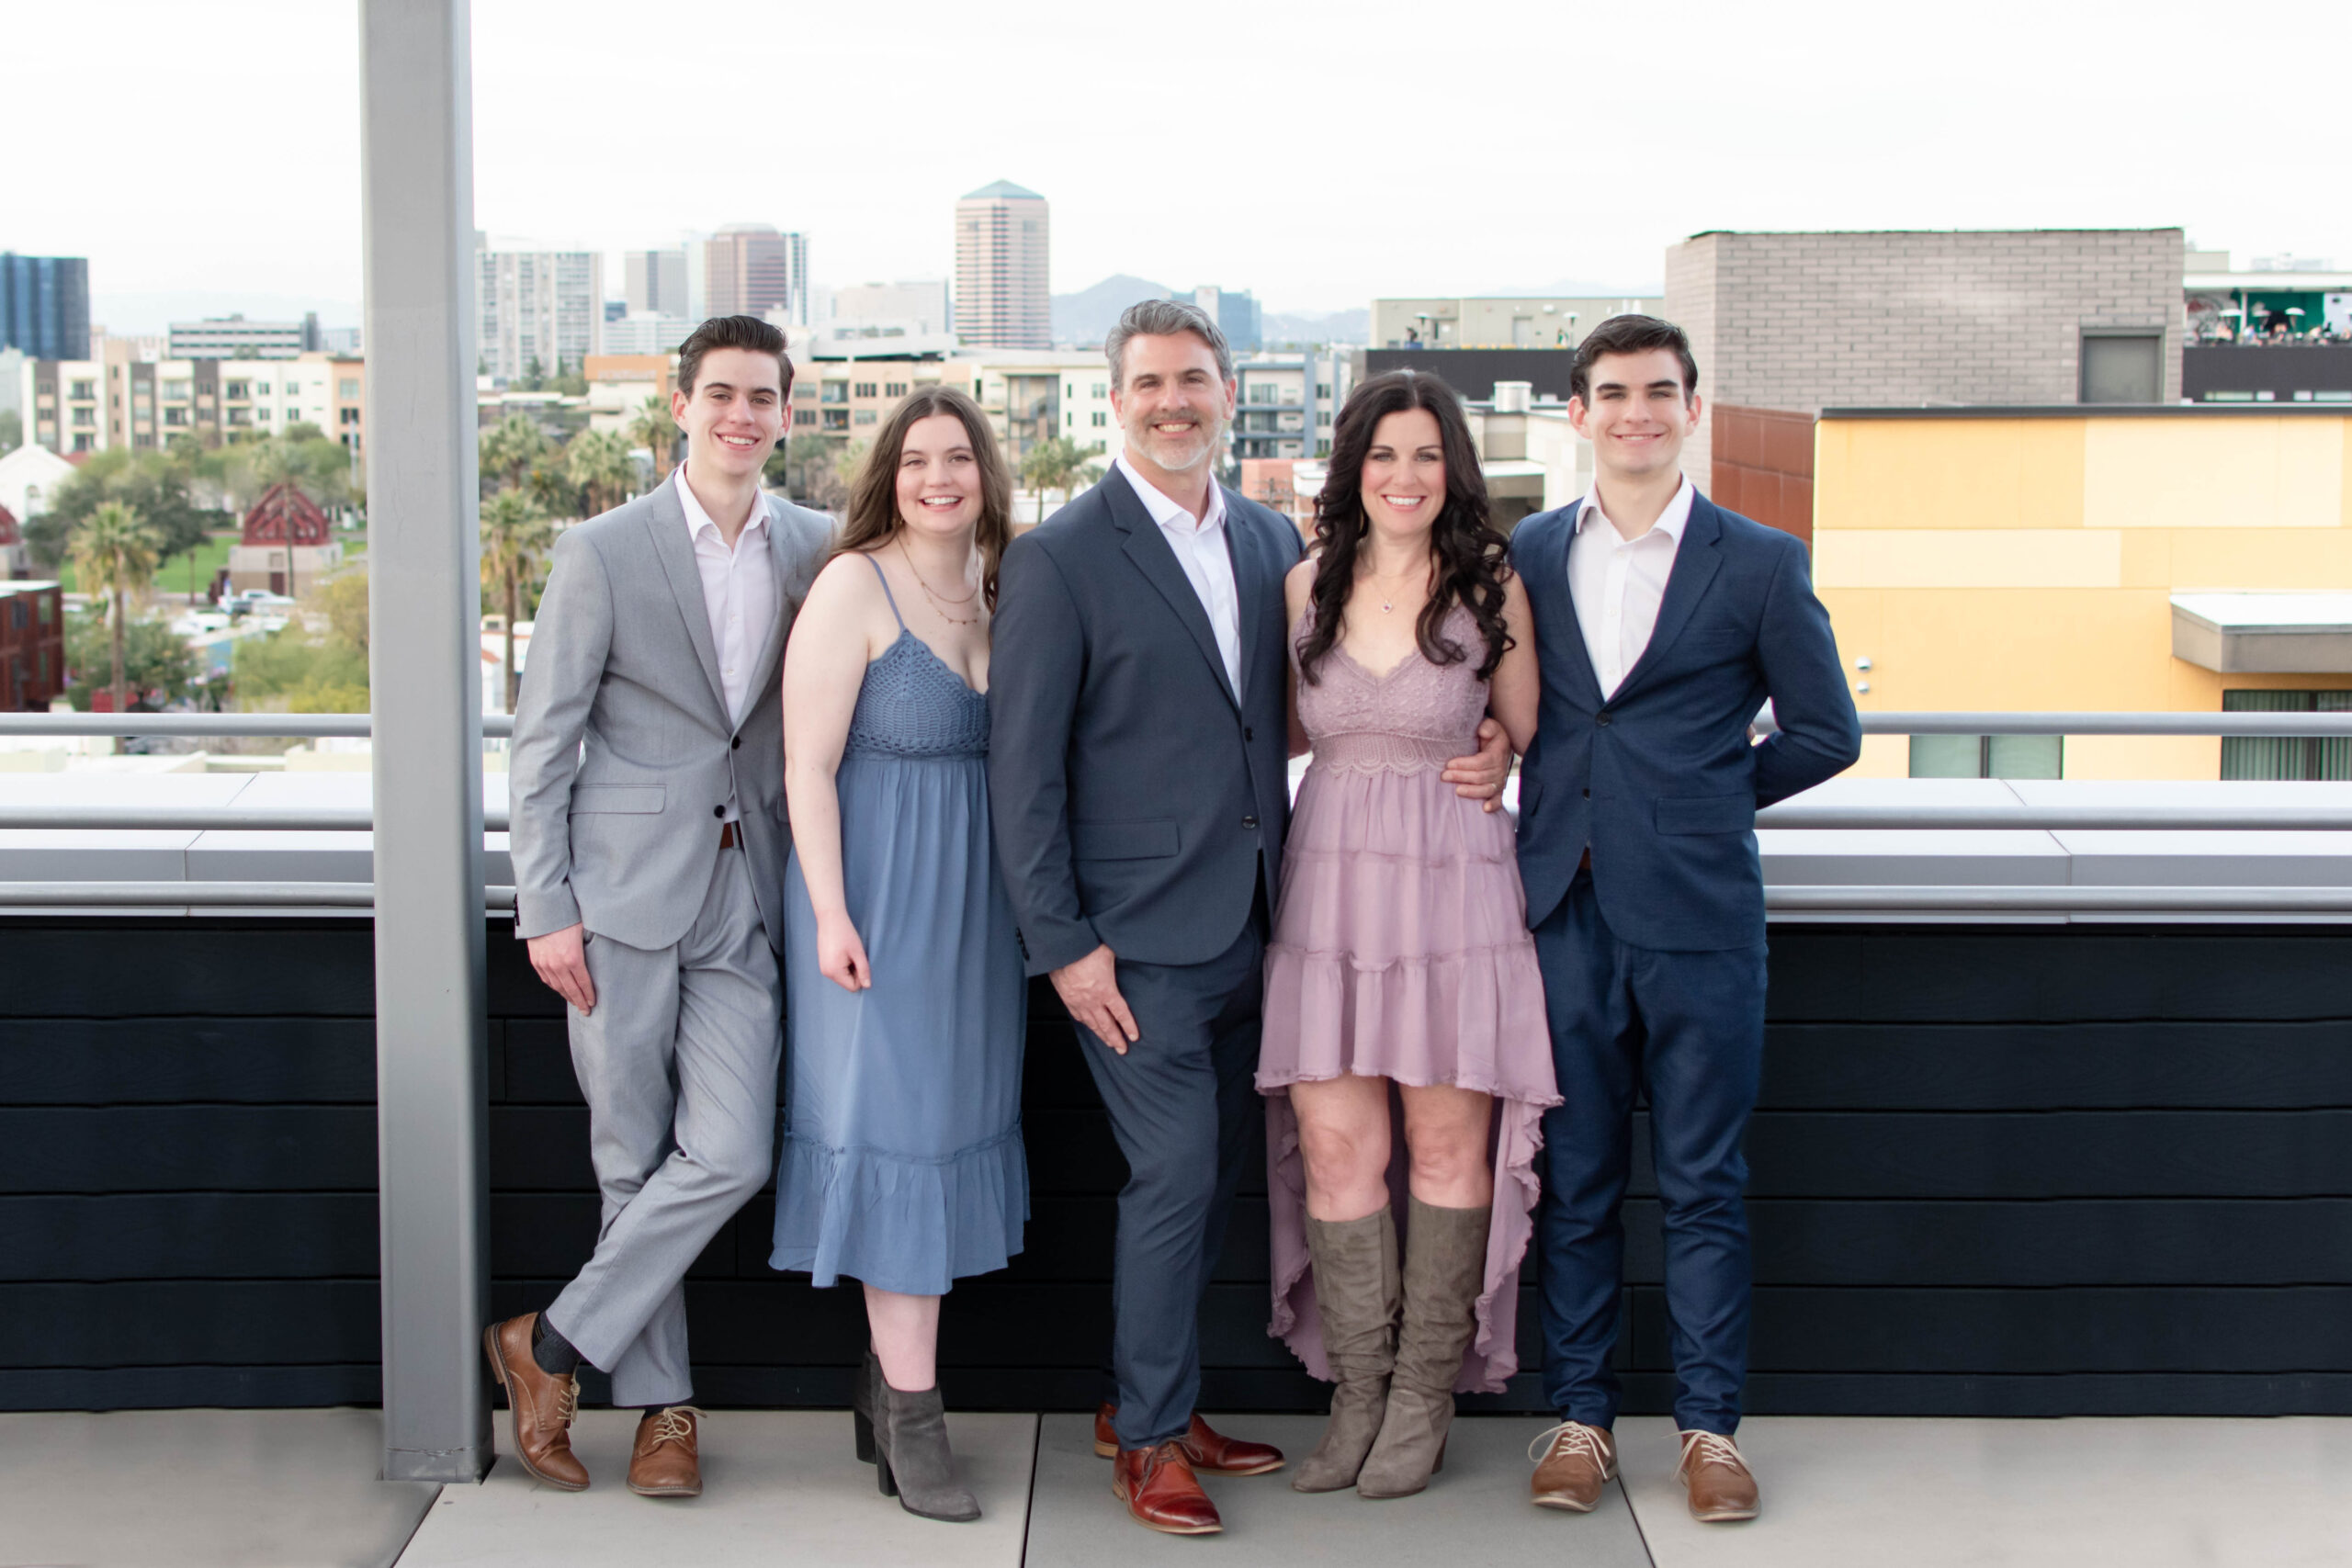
column 552, row 1350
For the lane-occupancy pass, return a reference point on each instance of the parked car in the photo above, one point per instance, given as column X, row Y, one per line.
column 257, row 599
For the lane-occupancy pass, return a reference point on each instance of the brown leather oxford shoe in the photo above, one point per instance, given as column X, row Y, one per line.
column 543, row 1403
column 1208, row 1452
column 667, row 1459
column 1578, row 1463
column 1162, row 1492
column 1722, row 1489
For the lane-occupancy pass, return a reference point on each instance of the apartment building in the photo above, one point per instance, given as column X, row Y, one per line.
column 539, row 307
column 118, row 399
column 751, row 269
column 234, row 337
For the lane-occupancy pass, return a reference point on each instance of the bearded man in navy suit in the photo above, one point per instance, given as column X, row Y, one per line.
column 1663, row 624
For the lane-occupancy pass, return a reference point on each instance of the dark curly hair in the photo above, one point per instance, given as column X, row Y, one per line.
column 1469, row 551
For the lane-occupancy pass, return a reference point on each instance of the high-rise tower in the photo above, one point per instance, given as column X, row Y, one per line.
column 1003, row 288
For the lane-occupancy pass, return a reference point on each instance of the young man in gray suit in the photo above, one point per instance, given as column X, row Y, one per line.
column 649, row 839
column 1137, row 753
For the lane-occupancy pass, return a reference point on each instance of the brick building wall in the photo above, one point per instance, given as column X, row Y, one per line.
column 1804, row 321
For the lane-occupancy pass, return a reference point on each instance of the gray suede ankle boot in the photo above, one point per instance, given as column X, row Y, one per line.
column 1355, row 1295
column 912, row 1458
column 1445, row 1265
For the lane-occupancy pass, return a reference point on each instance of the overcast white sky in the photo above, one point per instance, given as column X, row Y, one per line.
column 1320, row 154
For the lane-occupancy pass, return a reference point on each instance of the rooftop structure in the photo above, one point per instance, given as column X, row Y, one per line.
column 233, row 337
column 1501, row 320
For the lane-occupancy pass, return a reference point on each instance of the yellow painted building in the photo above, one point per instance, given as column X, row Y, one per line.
column 2029, row 558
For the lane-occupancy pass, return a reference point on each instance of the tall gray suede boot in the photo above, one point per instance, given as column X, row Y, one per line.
column 1355, row 1295
column 1445, row 1265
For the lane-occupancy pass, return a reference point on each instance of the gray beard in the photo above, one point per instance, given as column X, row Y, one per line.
column 1215, row 434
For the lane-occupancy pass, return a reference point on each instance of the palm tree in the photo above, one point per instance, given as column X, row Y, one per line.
column 514, row 537
column 602, row 464
column 115, row 552
column 654, row 430
column 511, row 448
column 1058, row 463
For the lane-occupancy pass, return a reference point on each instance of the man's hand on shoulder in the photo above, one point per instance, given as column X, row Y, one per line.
column 1090, row 988
column 561, row 959
column 1481, row 777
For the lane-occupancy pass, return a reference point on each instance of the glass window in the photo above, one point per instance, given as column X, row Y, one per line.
column 236, row 390
column 834, row 392
column 2123, row 369
column 865, row 416
column 2320, row 757
column 863, row 390
column 84, row 389
column 1988, row 756
column 894, row 388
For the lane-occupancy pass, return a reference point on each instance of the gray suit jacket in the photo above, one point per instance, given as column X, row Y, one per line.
column 624, row 753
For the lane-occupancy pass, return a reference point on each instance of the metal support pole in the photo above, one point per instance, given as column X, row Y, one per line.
column 424, row 561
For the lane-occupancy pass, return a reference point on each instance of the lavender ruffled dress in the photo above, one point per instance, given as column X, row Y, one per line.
column 1401, row 951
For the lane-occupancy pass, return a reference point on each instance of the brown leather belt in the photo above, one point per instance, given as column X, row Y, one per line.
column 727, row 835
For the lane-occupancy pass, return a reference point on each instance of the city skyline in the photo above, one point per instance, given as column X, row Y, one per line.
column 1807, row 116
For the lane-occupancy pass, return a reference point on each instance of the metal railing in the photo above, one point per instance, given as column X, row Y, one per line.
column 2115, row 817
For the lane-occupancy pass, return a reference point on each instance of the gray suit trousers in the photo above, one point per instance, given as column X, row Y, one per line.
column 678, row 1063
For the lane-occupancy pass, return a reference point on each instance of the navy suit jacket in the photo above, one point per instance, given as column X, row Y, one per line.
column 1659, row 780
column 1139, row 799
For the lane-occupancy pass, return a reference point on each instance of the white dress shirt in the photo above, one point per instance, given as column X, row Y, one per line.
column 1200, row 548
column 1617, row 583
column 738, row 593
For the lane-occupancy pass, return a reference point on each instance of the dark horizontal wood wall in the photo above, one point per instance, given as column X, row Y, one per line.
column 2010, row 1171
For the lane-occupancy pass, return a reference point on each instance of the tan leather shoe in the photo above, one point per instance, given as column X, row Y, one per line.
column 1206, row 1449
column 1722, row 1490
column 543, row 1403
column 1162, row 1492
column 1578, row 1461
column 667, row 1459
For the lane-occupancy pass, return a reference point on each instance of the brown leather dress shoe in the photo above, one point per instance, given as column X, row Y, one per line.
column 667, row 1459
column 1579, row 1460
column 1209, row 1451
column 543, row 1403
column 1162, row 1492
column 1722, row 1490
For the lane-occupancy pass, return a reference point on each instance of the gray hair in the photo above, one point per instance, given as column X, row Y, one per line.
column 1164, row 318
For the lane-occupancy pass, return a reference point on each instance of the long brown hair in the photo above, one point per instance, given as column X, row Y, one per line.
column 1468, row 551
column 874, row 495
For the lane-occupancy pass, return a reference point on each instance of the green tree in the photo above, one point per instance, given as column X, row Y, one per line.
column 157, row 661
column 151, row 484
column 12, row 431
column 514, row 535
column 653, row 429
column 309, row 673
column 604, row 466
column 342, row 599
column 115, row 553
column 1058, row 463
column 510, row 450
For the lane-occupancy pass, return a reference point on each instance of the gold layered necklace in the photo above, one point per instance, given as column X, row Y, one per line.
column 1389, row 597
column 937, row 603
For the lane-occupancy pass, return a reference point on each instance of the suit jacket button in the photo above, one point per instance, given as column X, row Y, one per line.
column 1249, row 822
column 1601, row 719
column 1248, row 735
column 719, row 811
column 734, row 743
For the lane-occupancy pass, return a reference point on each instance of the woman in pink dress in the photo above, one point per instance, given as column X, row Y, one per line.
column 1404, row 1051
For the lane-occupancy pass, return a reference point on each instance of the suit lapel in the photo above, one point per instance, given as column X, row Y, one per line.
column 1155, row 558
column 673, row 547
column 1250, row 580
column 1696, row 561
column 1546, row 570
column 772, row 652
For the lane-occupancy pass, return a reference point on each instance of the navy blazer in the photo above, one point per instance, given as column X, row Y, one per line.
column 1139, row 799
column 1659, row 780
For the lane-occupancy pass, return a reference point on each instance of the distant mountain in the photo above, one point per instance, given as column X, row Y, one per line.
column 1084, row 319
column 1331, row 327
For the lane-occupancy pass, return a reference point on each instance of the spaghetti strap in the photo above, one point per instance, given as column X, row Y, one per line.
column 885, row 587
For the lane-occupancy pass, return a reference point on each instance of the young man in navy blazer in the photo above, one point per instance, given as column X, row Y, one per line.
column 1662, row 625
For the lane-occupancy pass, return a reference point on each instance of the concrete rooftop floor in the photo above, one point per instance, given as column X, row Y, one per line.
column 257, row 1489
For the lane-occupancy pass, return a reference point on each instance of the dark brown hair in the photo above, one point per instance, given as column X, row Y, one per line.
column 1467, row 550
column 874, row 495
column 1631, row 334
column 732, row 332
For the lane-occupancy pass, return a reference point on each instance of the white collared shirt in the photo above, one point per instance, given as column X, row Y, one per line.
column 1617, row 584
column 1200, row 548
column 738, row 593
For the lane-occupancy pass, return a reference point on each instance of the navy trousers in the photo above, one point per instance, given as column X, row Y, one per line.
column 1688, row 1027
column 1184, row 1106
